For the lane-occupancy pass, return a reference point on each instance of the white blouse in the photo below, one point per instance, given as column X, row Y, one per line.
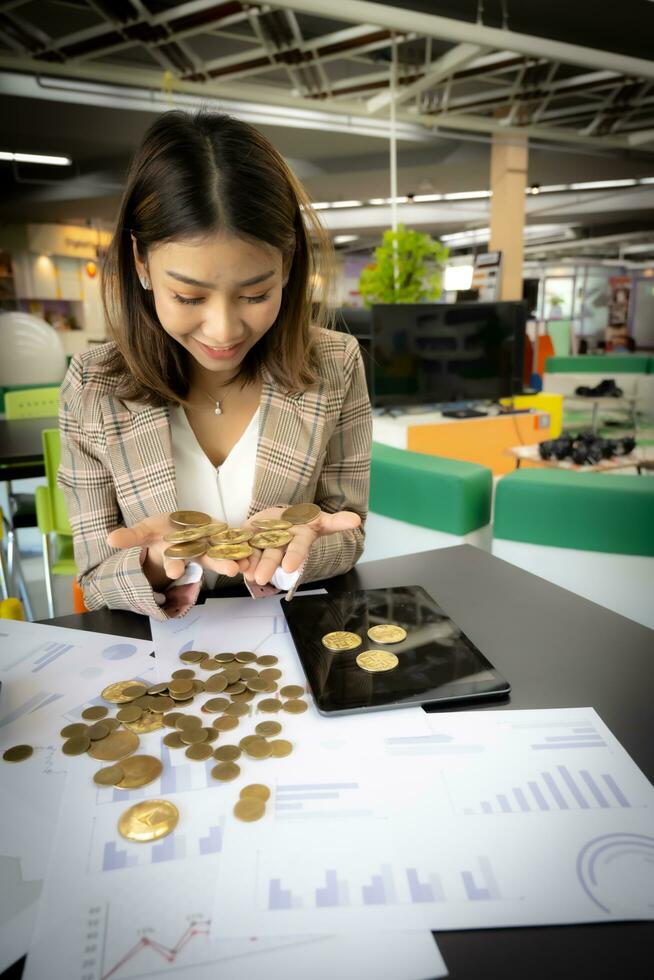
column 223, row 491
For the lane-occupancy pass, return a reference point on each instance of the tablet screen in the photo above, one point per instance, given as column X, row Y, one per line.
column 435, row 662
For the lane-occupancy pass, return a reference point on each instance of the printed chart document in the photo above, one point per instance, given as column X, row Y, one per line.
column 49, row 675
column 492, row 819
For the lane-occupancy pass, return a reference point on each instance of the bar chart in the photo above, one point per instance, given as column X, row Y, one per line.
column 310, row 801
column 558, row 788
column 199, row 838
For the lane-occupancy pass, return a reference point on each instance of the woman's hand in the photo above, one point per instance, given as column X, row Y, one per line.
column 158, row 569
column 263, row 564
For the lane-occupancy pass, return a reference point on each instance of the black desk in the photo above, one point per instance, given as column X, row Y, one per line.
column 21, row 450
column 557, row 650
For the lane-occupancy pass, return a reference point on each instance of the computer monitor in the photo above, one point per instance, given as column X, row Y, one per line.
column 433, row 353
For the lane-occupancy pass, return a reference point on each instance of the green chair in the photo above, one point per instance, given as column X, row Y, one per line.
column 32, row 403
column 52, row 519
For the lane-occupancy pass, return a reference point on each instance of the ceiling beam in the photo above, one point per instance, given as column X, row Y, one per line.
column 461, row 31
column 453, row 60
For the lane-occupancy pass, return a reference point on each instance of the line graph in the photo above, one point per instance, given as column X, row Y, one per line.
column 148, row 940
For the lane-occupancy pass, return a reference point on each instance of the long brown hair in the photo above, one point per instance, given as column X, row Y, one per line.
column 194, row 175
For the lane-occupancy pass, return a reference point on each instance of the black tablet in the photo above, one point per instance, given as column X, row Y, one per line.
column 435, row 663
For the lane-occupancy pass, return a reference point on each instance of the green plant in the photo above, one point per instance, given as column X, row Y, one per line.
column 420, row 261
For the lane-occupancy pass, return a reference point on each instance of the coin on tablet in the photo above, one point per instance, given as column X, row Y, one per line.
column 341, row 640
column 387, row 633
column 377, row 661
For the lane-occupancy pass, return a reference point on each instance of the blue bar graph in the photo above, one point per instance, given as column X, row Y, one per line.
column 171, row 847
column 114, row 859
column 213, row 842
column 280, row 898
column 476, row 892
column 422, row 892
column 560, row 789
column 381, row 890
column 334, row 893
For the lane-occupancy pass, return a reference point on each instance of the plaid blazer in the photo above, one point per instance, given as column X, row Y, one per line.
column 117, row 466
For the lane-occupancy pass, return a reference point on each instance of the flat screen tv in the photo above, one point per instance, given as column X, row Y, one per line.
column 431, row 353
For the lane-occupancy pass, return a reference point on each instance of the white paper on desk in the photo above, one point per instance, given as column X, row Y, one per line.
column 49, row 675
column 113, row 908
column 492, row 819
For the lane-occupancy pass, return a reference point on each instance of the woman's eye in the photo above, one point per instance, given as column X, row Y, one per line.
column 188, row 300
column 256, row 299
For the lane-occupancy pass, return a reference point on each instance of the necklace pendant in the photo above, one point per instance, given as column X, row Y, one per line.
column 218, row 410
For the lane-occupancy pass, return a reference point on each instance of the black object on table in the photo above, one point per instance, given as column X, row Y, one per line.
column 559, row 651
column 21, row 450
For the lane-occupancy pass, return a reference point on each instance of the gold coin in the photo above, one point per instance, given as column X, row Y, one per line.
column 233, row 552
column 249, row 809
column 232, row 535
column 78, row 745
column 245, row 697
column 95, row 712
column 387, row 633
column 188, row 721
column 181, row 685
column 108, row 776
column 248, row 740
column 227, row 753
column 245, row 657
column 292, row 691
column 114, row 747
column 237, row 688
column 149, row 820
column 237, row 710
column 187, row 549
column 199, row 752
column 173, row 740
column 186, row 535
column 207, row 530
column 185, row 698
column 193, row 656
column 170, row 719
column 158, row 688
column 17, row 753
column 257, row 684
column 271, row 539
column 190, row 518
column 271, row 687
column 77, row 728
column 212, row 734
column 210, row 664
column 135, row 690
column 111, row 723
column 268, row 728
column 146, row 702
column 226, row 771
column 131, row 712
column 270, row 524
column 215, row 705
column 148, row 722
column 97, row 731
column 192, row 735
column 185, row 673
column 118, row 693
column 257, row 791
column 247, row 673
column 301, row 513
column 225, row 658
column 225, row 723
column 295, row 707
column 341, row 640
column 231, row 673
column 270, row 705
column 258, row 748
column 280, row 748
column 377, row 661
column 162, row 704
column 198, row 686
column 270, row 674
column 139, row 770
column 267, row 660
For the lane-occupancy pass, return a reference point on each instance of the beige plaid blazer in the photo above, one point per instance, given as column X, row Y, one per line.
column 117, row 466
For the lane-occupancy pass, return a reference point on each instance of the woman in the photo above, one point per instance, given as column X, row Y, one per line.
column 215, row 393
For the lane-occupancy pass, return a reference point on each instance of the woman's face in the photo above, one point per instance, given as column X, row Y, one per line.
column 216, row 296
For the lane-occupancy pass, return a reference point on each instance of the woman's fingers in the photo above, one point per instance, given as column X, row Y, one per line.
column 174, row 567
column 342, row 520
column 140, row 535
column 223, row 566
column 298, row 548
column 268, row 564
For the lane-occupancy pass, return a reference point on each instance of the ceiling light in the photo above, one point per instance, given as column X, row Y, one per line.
column 54, row 161
column 466, row 195
column 320, row 205
column 346, row 204
column 594, row 185
column 420, row 198
column 534, row 189
column 344, row 239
